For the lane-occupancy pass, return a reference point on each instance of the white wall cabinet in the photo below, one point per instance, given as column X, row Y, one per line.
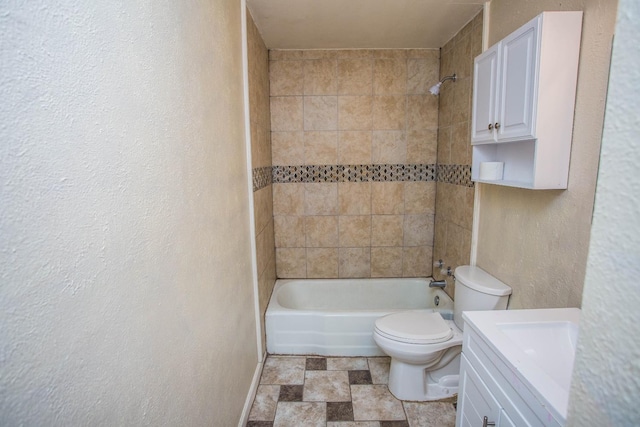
column 523, row 102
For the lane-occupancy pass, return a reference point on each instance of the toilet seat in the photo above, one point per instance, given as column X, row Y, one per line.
column 414, row 327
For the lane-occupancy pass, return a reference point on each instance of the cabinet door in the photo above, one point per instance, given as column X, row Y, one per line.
column 475, row 400
column 517, row 94
column 485, row 78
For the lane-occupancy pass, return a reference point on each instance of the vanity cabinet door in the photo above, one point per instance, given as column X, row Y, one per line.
column 485, row 82
column 475, row 400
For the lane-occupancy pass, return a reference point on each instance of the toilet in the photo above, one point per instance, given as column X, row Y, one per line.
column 425, row 347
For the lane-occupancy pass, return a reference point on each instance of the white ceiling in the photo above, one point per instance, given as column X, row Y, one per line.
column 343, row 24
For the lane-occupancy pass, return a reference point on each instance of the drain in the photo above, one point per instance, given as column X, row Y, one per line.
column 436, row 300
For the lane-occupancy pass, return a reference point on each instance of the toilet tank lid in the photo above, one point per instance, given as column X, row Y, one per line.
column 479, row 280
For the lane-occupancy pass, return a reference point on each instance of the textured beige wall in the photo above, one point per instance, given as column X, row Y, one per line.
column 454, row 198
column 126, row 293
column 537, row 241
column 605, row 385
column 353, row 107
column 260, row 118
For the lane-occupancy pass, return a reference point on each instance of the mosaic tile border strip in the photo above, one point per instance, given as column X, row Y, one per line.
column 353, row 173
column 455, row 174
column 449, row 174
column 262, row 177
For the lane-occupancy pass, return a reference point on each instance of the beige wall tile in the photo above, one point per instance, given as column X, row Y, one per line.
column 320, row 113
column 355, row 230
column 388, row 147
column 287, row 148
column 354, row 198
column 390, row 76
column 354, row 112
column 264, row 246
column 386, row 262
column 354, row 147
column 454, row 252
column 288, row 199
column 387, row 230
column 461, row 55
column 458, row 205
column 277, row 54
column 355, row 76
column 321, row 148
column 387, row 198
column 289, row 231
column 285, row 78
column 354, row 53
column 444, row 145
column 420, row 197
column 430, row 54
column 321, row 199
column 460, row 144
column 421, row 75
column 322, row 263
column 291, row 263
column 286, row 113
column 389, row 53
column 320, row 77
column 354, row 262
column 417, row 261
column 262, row 207
column 422, row 112
column 422, row 146
column 260, row 146
column 389, row 112
column 321, row 231
column 319, row 54
column 418, row 230
column 462, row 94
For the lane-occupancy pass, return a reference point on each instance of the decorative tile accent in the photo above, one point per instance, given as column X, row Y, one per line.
column 353, row 173
column 339, row 411
column 316, row 364
column 455, row 174
column 262, row 177
column 450, row 174
column 360, row 377
column 290, row 393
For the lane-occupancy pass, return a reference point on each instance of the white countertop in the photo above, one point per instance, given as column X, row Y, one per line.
column 539, row 345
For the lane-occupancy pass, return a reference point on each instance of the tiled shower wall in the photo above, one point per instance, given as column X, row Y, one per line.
column 258, row 61
column 455, row 191
column 354, row 136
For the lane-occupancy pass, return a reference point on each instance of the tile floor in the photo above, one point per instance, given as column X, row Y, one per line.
column 338, row 392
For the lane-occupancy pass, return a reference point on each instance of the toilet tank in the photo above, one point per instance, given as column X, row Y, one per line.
column 477, row 290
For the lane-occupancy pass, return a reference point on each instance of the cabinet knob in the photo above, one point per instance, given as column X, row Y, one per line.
column 486, row 423
column 490, row 126
column 497, row 125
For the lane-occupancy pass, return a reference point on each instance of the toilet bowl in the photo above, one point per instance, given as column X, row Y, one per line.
column 425, row 348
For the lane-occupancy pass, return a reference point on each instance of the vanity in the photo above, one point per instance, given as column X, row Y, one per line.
column 516, row 367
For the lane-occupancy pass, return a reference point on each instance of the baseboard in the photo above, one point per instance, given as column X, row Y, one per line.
column 252, row 393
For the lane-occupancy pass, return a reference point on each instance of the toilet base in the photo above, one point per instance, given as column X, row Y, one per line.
column 415, row 383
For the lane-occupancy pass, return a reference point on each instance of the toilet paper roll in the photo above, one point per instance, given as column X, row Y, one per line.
column 491, row 171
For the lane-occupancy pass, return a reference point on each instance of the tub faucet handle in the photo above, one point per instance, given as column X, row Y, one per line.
column 437, row 283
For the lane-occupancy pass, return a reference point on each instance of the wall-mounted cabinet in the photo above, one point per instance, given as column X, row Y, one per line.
column 523, row 102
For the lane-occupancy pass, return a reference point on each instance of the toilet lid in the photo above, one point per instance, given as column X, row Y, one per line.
column 418, row 327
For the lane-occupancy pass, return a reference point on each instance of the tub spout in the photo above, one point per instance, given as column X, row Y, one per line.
column 437, row 283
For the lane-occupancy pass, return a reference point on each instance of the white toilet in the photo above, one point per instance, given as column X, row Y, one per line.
column 425, row 348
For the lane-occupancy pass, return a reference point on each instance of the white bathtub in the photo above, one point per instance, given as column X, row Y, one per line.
column 335, row 317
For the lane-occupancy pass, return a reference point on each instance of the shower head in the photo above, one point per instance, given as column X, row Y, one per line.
column 435, row 89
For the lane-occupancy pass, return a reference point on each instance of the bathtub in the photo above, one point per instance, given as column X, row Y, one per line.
column 335, row 317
